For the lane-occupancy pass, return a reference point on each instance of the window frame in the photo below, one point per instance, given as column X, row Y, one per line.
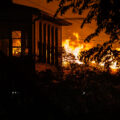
column 14, row 38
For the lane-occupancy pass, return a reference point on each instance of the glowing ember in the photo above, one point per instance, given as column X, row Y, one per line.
column 114, row 68
column 118, row 49
column 93, row 62
column 102, row 64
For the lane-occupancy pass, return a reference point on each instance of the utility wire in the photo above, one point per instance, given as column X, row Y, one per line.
column 71, row 18
column 37, row 4
column 77, row 19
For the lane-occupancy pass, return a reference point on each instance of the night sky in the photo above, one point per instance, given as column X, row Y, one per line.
column 67, row 31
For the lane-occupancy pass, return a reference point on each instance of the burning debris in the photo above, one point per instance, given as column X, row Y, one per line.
column 72, row 50
column 101, row 57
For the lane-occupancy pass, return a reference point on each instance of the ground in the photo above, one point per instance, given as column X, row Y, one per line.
column 82, row 94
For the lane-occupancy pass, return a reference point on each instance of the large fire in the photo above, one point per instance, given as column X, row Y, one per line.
column 75, row 47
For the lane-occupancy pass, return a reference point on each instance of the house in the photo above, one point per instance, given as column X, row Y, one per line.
column 26, row 31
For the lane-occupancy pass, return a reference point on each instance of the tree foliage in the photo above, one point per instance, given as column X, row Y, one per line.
column 105, row 12
column 101, row 54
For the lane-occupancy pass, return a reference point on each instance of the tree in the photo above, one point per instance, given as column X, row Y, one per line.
column 105, row 12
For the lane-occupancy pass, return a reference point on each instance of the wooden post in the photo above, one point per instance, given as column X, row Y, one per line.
column 48, row 46
column 34, row 38
column 40, row 42
column 56, row 46
column 31, row 40
column 52, row 49
column 10, row 42
column 22, row 43
column 44, row 44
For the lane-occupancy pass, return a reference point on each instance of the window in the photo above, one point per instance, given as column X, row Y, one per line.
column 16, row 43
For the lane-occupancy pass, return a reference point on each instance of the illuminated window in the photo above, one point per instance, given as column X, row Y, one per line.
column 16, row 43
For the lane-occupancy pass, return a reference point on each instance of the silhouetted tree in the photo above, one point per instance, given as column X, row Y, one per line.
column 6, row 3
column 105, row 12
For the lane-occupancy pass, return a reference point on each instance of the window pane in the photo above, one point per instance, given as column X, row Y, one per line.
column 16, row 42
column 16, row 47
column 16, row 51
column 16, row 34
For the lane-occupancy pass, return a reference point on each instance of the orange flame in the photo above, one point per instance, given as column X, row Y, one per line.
column 74, row 47
column 118, row 49
column 114, row 68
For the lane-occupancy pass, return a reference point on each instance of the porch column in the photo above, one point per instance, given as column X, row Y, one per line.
column 31, row 38
column 48, row 45
column 44, row 44
column 22, row 43
column 56, row 46
column 40, row 42
column 10, row 43
column 52, row 49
